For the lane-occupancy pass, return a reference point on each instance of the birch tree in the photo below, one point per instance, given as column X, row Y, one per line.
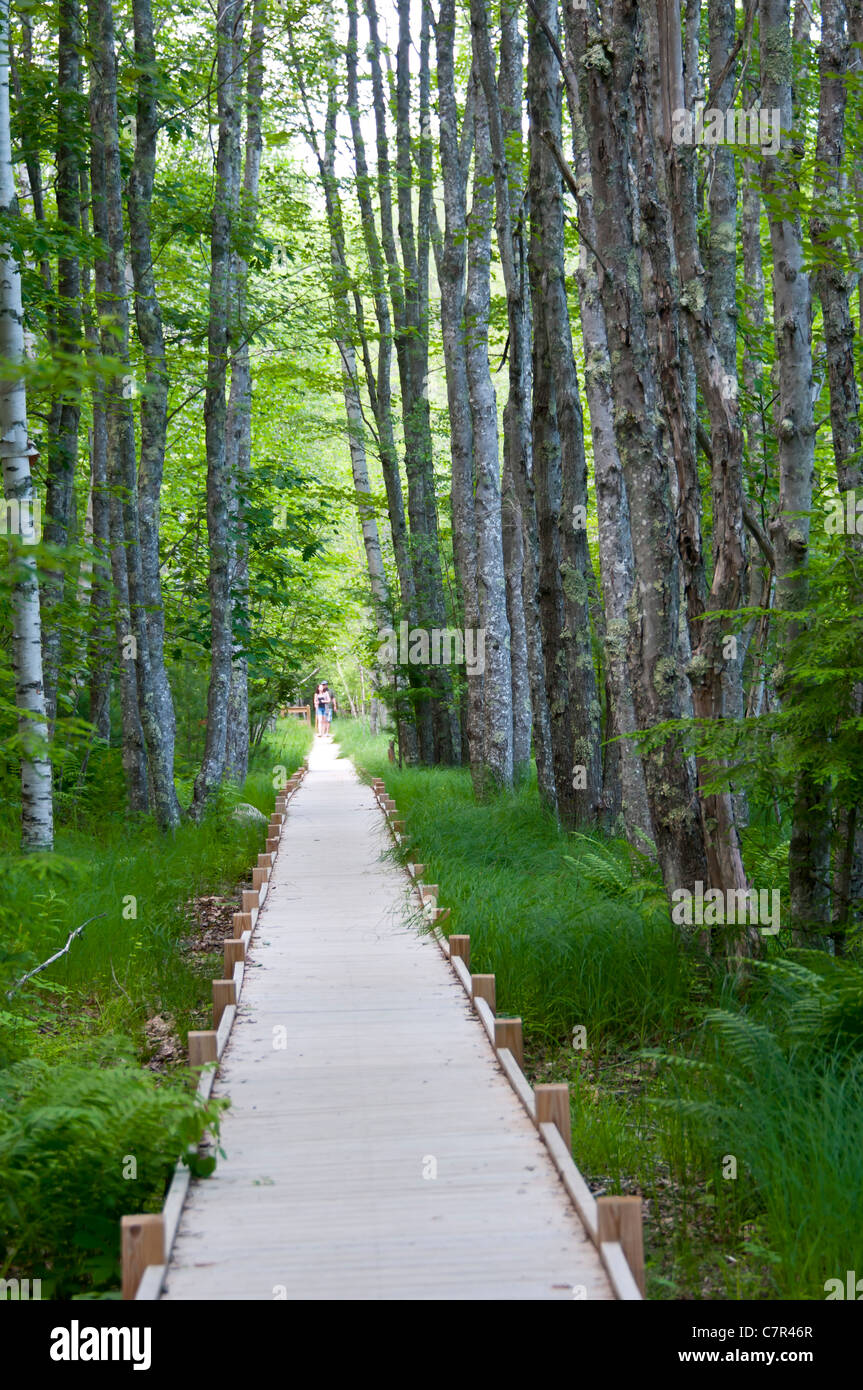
column 37, row 817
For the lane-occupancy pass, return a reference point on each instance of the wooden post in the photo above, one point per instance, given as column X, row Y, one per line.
column 419, row 870
column 242, row 922
column 507, row 1033
column 440, row 915
column 259, row 877
column 272, row 843
column 619, row 1218
column 202, row 1048
column 399, row 827
column 265, row 861
column 250, row 899
column 552, row 1104
column 483, row 987
column 234, row 951
column 142, row 1241
column 224, row 994
column 460, row 946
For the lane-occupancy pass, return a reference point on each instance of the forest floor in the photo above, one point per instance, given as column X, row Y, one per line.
column 95, row 1046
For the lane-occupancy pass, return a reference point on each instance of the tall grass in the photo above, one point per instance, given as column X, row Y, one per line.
column 575, row 930
column 86, row 1134
column 734, row 1105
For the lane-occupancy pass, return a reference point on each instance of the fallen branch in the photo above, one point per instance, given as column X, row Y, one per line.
column 56, row 956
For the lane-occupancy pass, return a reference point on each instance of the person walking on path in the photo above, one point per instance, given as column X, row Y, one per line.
column 323, row 704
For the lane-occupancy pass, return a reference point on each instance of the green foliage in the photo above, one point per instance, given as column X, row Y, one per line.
column 780, row 1089
column 80, row 1146
column 575, row 930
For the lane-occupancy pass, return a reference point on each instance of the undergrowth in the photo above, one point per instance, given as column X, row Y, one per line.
column 732, row 1103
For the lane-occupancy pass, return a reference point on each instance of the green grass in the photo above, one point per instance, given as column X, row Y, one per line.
column 576, row 930
column 79, row 1111
column 734, row 1105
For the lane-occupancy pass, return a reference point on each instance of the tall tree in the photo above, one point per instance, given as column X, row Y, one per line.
column 63, row 445
column 451, row 245
column 504, row 108
column 154, row 400
column 559, row 456
column 497, row 761
column 654, row 632
column 37, row 817
column 239, row 420
column 219, row 481
column 114, row 416
column 790, row 528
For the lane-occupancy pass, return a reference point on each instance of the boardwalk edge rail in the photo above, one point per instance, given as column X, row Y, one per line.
column 147, row 1239
column 614, row 1224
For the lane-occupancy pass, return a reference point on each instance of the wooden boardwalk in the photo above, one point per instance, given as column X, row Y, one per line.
column 374, row 1148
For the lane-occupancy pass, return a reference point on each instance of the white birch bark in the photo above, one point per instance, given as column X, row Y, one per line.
column 37, row 818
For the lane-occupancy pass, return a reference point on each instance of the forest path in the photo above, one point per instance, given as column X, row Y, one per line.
column 384, row 1074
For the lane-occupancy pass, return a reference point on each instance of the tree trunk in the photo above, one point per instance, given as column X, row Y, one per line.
column 63, row 455
column 154, row 405
column 37, row 815
column 117, row 419
column 99, row 641
column 219, row 481
column 612, row 508
column 809, row 854
column 491, row 583
column 574, row 698
column 240, row 409
column 451, row 264
column 831, row 280
column 654, row 639
column 505, row 119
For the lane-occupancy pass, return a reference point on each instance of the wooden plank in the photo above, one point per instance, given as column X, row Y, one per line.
column 579, row 1193
column 202, row 1048
column 224, row 993
column 251, row 899
column 174, row 1200
column 517, row 1079
column 242, row 922
column 552, row 1107
column 142, row 1243
column 152, row 1281
column 234, row 951
column 507, row 1033
column 460, row 946
column 225, row 1025
column 462, row 971
column 485, row 1014
column 625, row 1287
column 484, row 988
column 620, row 1219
